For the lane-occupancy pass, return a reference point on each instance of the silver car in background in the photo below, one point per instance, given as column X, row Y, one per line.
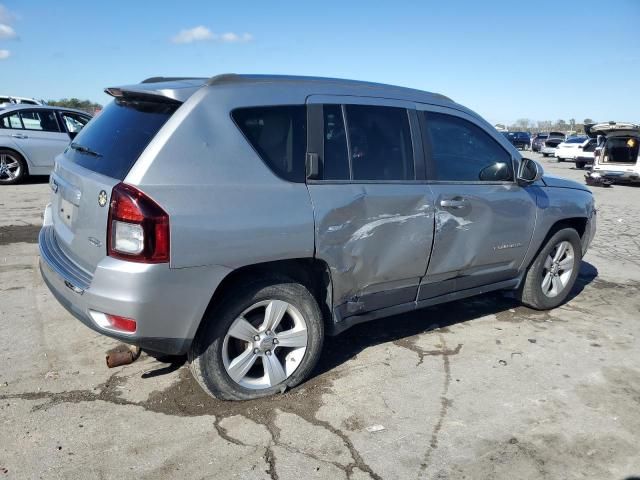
column 239, row 219
column 32, row 136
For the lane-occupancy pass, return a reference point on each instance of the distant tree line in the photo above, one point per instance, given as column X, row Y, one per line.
column 86, row 105
column 528, row 125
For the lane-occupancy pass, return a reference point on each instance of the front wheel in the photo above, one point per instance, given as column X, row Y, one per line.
column 580, row 165
column 553, row 272
column 266, row 337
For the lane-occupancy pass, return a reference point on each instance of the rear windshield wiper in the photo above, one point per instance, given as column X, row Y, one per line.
column 83, row 149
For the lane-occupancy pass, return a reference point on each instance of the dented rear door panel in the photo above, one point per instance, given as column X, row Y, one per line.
column 376, row 239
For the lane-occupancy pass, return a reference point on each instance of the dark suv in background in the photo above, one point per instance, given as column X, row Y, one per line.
column 520, row 140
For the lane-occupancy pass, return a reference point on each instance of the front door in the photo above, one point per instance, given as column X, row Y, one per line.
column 373, row 220
column 484, row 220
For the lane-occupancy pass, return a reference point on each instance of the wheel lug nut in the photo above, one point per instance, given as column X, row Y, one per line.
column 256, row 351
column 275, row 341
column 269, row 332
column 268, row 352
column 256, row 338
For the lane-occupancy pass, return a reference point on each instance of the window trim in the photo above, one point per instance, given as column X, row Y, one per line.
column 21, row 111
column 430, row 165
column 416, row 146
column 8, row 114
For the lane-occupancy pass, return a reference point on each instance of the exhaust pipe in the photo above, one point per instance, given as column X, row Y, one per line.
column 123, row 354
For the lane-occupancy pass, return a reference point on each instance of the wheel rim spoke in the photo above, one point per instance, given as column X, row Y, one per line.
column 556, row 285
column 243, row 330
column 548, row 262
column 293, row 338
column 273, row 314
column 240, row 365
column 562, row 248
column 546, row 282
column 566, row 265
column 273, row 369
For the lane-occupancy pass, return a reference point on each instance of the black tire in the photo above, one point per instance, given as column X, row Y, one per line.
column 580, row 165
column 531, row 293
column 560, row 159
column 13, row 157
column 545, row 155
column 206, row 354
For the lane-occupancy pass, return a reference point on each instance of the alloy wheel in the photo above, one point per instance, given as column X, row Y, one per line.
column 557, row 270
column 265, row 344
column 10, row 167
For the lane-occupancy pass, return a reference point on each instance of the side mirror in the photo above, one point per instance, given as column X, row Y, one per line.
column 529, row 172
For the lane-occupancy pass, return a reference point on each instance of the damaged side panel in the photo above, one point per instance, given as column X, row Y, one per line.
column 376, row 239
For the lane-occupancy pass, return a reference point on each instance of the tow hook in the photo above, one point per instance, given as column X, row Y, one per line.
column 123, row 354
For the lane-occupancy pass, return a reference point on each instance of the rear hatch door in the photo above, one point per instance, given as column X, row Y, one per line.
column 98, row 159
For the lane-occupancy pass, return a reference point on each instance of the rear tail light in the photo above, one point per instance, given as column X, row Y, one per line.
column 138, row 228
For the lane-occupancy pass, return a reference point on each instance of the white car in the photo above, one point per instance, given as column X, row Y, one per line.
column 549, row 145
column 586, row 153
column 570, row 148
column 31, row 136
column 617, row 158
column 9, row 100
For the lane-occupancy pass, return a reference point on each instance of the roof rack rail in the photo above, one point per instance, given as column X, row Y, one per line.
column 224, row 78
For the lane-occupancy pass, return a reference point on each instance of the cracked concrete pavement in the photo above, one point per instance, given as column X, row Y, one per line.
column 481, row 388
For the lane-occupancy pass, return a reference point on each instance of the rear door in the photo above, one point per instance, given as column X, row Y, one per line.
column 373, row 214
column 41, row 138
column 484, row 219
column 98, row 159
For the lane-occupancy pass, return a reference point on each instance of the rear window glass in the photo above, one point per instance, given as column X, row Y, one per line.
column 117, row 136
column 575, row 140
column 279, row 136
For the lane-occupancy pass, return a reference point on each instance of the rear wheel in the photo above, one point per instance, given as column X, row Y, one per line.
column 13, row 168
column 265, row 338
column 553, row 273
column 580, row 165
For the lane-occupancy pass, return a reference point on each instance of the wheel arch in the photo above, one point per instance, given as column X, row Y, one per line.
column 313, row 273
column 579, row 224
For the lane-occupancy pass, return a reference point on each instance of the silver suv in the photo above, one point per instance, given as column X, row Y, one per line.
column 240, row 219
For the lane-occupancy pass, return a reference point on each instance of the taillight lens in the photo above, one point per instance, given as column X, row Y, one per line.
column 138, row 228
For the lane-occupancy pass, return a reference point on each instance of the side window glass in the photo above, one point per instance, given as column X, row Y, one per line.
column 43, row 120
column 336, row 160
column 279, row 136
column 463, row 152
column 11, row 121
column 73, row 122
column 380, row 143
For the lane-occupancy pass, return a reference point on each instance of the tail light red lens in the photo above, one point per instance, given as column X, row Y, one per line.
column 138, row 228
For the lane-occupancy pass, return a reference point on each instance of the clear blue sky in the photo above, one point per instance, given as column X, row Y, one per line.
column 505, row 59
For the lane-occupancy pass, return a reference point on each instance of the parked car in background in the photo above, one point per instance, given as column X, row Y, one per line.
column 617, row 157
column 551, row 143
column 569, row 149
column 32, row 136
column 8, row 100
column 519, row 140
column 293, row 213
column 537, row 142
column 586, row 153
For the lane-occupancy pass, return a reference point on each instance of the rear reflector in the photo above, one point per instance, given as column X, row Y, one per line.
column 114, row 322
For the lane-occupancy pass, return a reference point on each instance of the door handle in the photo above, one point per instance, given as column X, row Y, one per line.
column 453, row 203
column 19, row 135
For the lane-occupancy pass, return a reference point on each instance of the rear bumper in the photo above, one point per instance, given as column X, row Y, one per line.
column 167, row 304
column 548, row 150
column 614, row 176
